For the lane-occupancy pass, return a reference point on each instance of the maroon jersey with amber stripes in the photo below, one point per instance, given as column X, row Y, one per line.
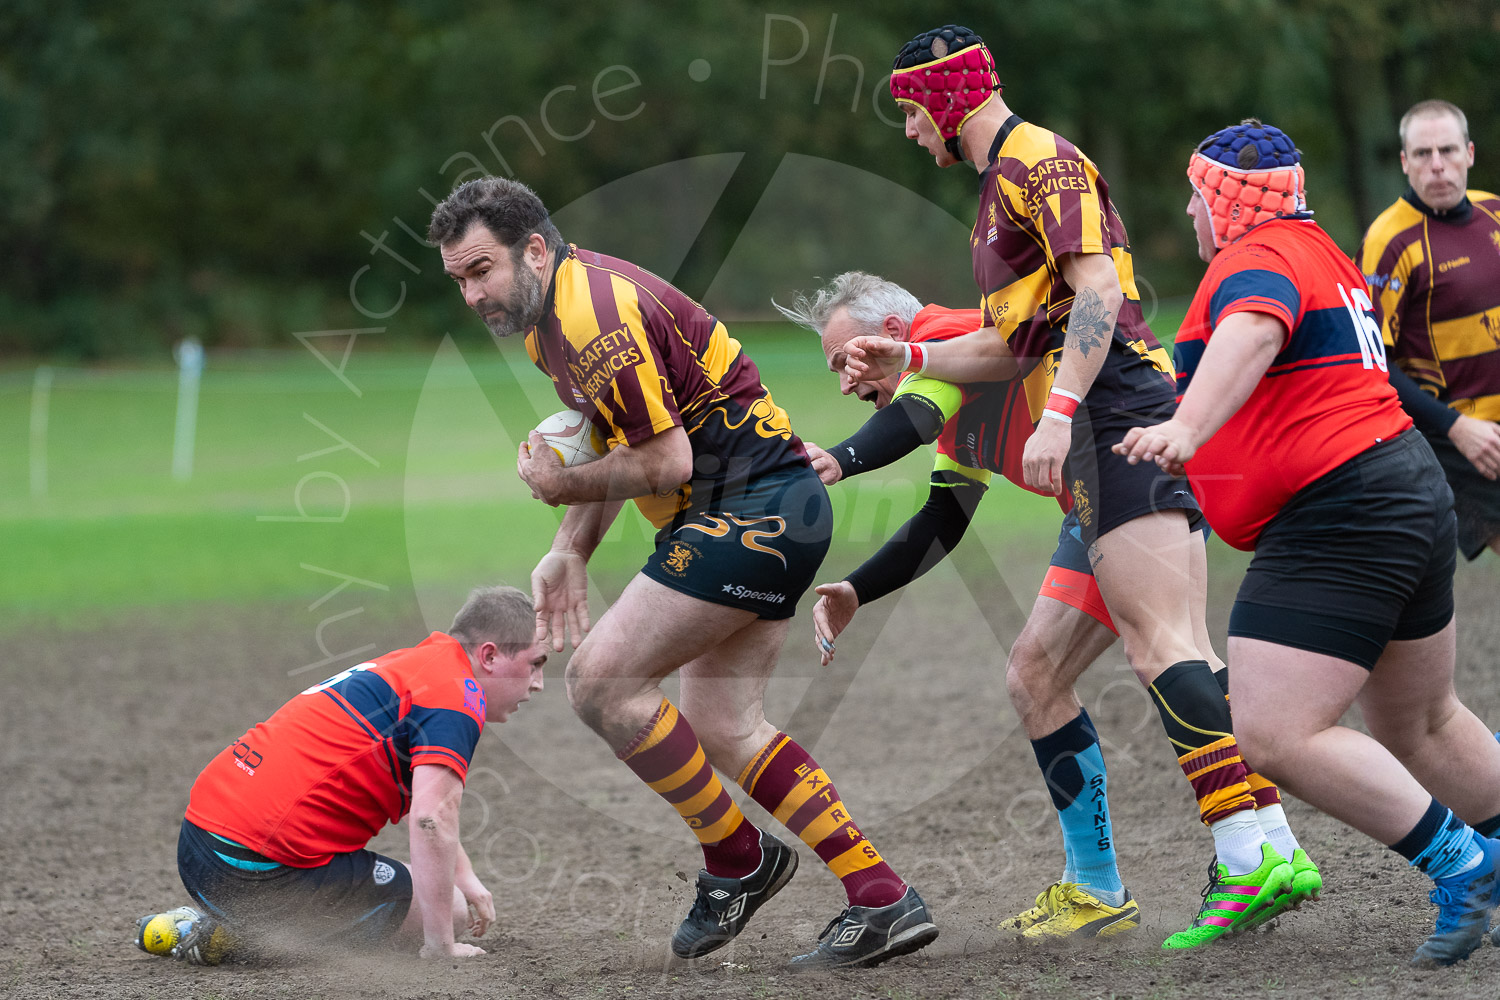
column 1041, row 198
column 1326, row 396
column 638, row 357
column 1435, row 284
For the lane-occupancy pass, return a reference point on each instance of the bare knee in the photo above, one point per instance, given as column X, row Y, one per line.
column 1265, row 747
column 586, row 690
column 1404, row 729
column 1032, row 678
column 1021, row 674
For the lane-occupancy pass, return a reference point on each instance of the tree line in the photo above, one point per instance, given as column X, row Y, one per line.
column 239, row 171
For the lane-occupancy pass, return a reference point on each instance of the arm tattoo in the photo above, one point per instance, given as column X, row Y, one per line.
column 1088, row 325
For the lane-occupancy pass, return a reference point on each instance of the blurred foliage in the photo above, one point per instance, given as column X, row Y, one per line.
column 225, row 168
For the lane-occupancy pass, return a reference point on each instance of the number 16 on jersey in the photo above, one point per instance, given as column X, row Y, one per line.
column 1366, row 330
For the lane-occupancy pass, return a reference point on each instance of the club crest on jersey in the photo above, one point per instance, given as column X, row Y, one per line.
column 473, row 697
column 994, row 232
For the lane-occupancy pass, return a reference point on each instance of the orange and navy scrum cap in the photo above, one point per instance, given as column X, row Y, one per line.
column 949, row 74
column 1247, row 174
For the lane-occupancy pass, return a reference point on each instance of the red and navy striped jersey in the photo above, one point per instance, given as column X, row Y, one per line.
column 332, row 766
column 639, row 357
column 1326, row 396
column 1039, row 200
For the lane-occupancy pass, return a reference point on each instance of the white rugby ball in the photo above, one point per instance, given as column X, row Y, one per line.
column 574, row 437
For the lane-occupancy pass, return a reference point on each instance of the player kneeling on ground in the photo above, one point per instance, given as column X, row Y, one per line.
column 272, row 850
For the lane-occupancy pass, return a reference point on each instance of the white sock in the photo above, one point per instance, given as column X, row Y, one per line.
column 1272, row 820
column 1238, row 839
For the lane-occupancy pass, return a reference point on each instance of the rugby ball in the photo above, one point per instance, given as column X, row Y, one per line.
column 574, row 437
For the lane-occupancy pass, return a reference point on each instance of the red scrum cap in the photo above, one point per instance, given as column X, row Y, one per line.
column 949, row 74
column 1247, row 174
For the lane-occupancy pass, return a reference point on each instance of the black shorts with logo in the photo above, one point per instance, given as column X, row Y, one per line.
column 1360, row 556
column 756, row 548
column 1476, row 500
column 1107, row 490
column 360, row 898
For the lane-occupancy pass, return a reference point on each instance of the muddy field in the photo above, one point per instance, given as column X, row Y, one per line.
column 102, row 732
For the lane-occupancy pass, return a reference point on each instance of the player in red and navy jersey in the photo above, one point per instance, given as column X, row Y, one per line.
column 1432, row 261
column 980, row 429
column 273, row 845
column 1062, row 313
column 1300, row 451
column 743, row 523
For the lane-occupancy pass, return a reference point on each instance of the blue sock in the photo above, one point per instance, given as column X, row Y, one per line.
column 1073, row 768
column 1441, row 844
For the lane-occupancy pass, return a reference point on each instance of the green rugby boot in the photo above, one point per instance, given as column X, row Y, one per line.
column 1232, row 902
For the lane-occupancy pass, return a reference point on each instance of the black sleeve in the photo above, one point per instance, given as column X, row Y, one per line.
column 894, row 432
column 924, row 541
column 1428, row 412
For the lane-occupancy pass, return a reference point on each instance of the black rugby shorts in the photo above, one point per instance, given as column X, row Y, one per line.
column 1360, row 556
column 758, row 548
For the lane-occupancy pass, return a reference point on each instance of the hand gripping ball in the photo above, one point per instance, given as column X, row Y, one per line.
column 574, row 437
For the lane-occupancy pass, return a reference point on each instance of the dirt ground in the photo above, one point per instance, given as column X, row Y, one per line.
column 101, row 734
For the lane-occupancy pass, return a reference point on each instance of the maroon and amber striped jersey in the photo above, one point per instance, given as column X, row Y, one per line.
column 638, row 357
column 1435, row 284
column 1041, row 198
column 1326, row 396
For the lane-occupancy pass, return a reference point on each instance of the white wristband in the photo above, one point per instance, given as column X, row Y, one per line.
column 1057, row 416
column 905, row 355
column 1063, row 392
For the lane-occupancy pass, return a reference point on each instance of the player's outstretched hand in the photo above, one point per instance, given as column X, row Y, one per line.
column 481, row 903
column 1479, row 440
column 540, row 468
column 454, row 949
column 831, row 615
column 870, row 359
column 824, row 464
column 1169, row 444
column 560, row 595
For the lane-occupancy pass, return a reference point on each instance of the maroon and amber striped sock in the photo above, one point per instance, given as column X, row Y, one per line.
column 1262, row 790
column 666, row 755
column 793, row 788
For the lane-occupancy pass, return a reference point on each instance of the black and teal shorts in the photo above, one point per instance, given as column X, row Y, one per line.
column 358, row 898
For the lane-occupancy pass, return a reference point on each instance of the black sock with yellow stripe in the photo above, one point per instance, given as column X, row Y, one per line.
column 1196, row 717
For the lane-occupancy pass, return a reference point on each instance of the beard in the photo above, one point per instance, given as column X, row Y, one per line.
column 521, row 309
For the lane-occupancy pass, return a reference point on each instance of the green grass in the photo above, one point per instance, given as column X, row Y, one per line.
column 433, row 501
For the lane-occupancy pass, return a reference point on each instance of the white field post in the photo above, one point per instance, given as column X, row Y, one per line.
column 41, row 403
column 189, row 355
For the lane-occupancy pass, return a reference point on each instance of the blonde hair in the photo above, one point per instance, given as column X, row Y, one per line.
column 502, row 615
column 1425, row 108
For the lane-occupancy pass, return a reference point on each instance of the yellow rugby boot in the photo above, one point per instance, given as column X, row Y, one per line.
column 1046, row 905
column 1079, row 913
